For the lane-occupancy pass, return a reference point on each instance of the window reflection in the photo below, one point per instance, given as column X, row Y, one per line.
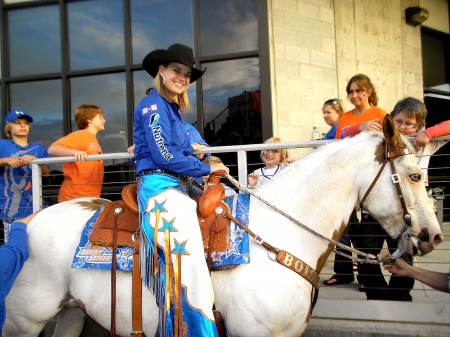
column 232, row 115
column 143, row 81
column 109, row 94
column 34, row 41
column 228, row 102
column 228, row 26
column 96, row 34
column 150, row 31
column 43, row 101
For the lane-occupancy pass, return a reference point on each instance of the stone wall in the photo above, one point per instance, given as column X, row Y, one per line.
column 318, row 45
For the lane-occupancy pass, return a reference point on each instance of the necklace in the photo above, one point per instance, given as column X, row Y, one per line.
column 262, row 171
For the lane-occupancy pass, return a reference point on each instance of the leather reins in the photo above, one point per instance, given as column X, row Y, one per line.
column 389, row 156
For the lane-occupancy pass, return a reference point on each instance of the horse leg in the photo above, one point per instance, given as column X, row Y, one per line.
column 69, row 323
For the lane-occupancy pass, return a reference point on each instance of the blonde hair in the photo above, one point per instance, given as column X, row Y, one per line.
column 183, row 100
column 212, row 160
column 284, row 152
column 336, row 104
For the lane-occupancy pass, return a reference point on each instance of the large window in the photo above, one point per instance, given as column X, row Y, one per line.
column 159, row 24
column 34, row 41
column 43, row 101
column 96, row 34
column 60, row 54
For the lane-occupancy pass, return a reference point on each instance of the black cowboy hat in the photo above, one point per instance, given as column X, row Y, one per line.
column 176, row 53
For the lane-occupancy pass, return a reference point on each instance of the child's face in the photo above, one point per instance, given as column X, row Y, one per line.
column 405, row 125
column 98, row 122
column 20, row 127
column 272, row 156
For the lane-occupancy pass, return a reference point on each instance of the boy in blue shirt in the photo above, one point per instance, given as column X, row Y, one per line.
column 16, row 153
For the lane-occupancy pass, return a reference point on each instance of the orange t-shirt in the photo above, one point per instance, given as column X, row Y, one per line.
column 81, row 179
column 348, row 119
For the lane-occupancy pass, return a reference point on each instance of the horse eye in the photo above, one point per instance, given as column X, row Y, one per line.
column 415, row 177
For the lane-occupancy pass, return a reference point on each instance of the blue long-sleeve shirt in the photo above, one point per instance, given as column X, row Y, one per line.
column 161, row 141
column 12, row 256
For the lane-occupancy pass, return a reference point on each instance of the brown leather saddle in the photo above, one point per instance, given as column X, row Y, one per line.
column 211, row 211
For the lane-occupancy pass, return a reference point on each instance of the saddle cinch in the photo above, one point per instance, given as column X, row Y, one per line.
column 211, row 213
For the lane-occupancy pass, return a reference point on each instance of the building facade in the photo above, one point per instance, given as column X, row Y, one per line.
column 270, row 63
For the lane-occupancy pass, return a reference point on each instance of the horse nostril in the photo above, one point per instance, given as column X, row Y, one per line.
column 437, row 239
column 424, row 235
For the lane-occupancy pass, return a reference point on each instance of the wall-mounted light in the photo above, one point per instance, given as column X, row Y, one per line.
column 415, row 16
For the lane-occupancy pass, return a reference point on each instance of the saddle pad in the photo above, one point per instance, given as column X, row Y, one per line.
column 238, row 250
column 93, row 256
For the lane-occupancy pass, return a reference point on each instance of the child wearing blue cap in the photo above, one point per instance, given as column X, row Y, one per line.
column 16, row 153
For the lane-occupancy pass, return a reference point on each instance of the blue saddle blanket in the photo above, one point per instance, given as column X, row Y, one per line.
column 89, row 255
column 238, row 250
column 93, row 256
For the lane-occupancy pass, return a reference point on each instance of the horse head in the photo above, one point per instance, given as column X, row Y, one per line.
column 411, row 220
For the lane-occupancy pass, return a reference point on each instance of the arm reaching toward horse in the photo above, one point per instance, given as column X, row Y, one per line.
column 436, row 280
column 13, row 256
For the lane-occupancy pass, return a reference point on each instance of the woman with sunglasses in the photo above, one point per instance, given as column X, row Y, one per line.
column 275, row 161
column 332, row 111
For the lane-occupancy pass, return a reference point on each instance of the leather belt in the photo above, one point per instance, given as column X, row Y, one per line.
column 162, row 171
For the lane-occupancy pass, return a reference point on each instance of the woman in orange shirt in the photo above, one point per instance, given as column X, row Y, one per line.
column 365, row 116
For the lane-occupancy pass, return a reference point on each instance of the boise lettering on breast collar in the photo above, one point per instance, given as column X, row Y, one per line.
column 159, row 139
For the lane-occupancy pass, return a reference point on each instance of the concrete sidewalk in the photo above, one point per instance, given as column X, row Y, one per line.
column 344, row 311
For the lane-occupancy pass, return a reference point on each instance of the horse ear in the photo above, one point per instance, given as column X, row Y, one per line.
column 391, row 134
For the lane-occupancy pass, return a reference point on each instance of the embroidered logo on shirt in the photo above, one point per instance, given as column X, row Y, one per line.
column 154, row 107
column 145, row 111
column 156, row 131
column 153, row 120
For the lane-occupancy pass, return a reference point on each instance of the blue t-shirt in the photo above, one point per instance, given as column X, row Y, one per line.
column 16, row 200
column 161, row 141
column 332, row 133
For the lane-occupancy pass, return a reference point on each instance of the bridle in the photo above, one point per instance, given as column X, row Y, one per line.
column 405, row 235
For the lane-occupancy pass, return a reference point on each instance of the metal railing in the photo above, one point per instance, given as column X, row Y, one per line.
column 242, row 166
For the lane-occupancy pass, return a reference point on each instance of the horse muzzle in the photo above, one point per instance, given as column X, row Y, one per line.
column 427, row 242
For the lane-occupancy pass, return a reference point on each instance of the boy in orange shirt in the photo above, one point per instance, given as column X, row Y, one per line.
column 81, row 178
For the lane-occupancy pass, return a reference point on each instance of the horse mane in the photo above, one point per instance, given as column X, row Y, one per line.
column 311, row 161
column 330, row 149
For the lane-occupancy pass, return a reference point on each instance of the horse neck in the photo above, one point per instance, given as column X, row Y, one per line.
column 319, row 190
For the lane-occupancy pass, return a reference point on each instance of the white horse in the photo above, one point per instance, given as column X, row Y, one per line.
column 262, row 298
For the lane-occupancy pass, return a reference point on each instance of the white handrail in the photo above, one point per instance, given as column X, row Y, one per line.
column 241, row 151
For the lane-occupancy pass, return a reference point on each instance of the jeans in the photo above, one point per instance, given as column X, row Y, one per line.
column 371, row 241
column 191, row 189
